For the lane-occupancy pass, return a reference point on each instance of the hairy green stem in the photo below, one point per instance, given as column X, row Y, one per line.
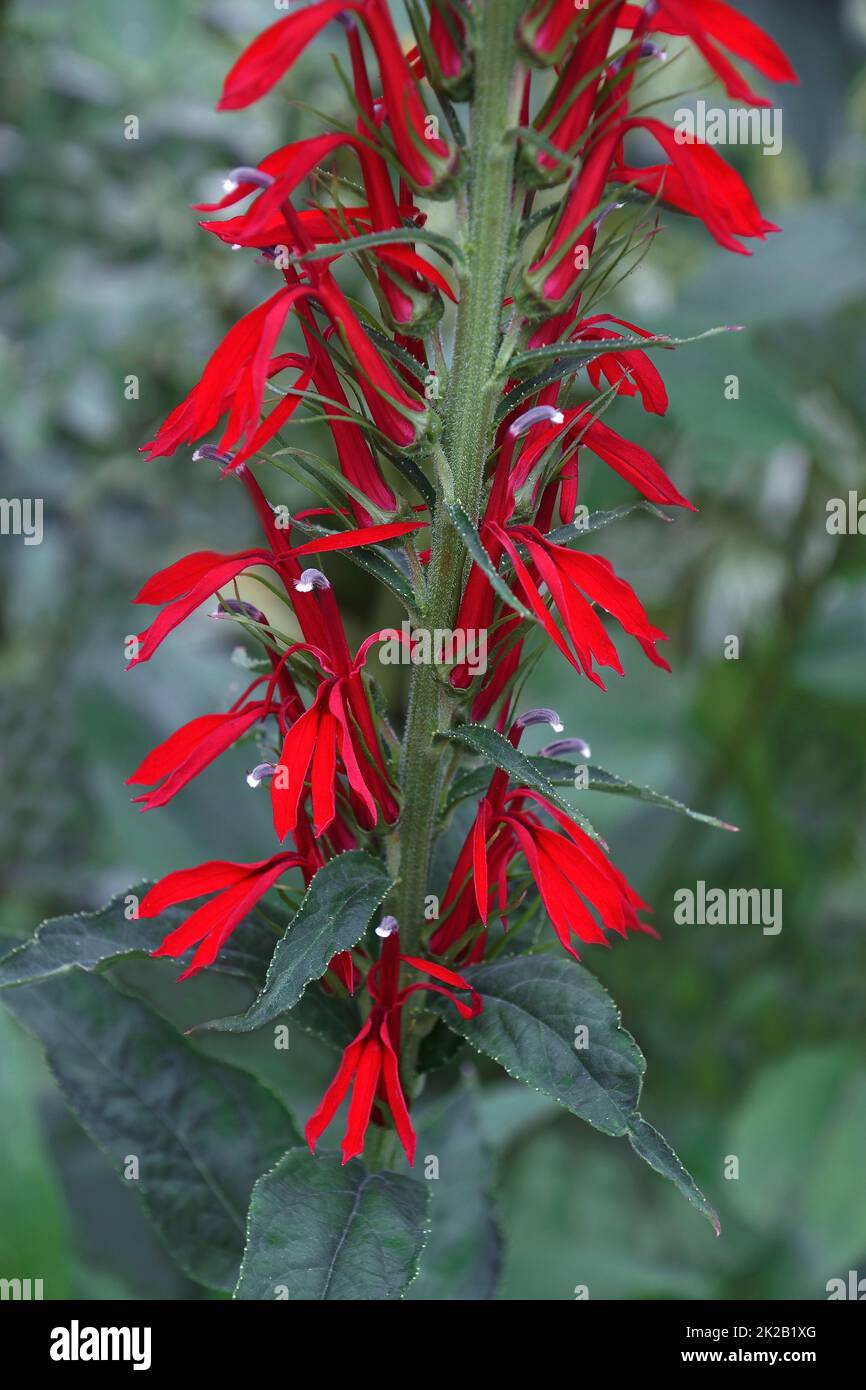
column 467, row 437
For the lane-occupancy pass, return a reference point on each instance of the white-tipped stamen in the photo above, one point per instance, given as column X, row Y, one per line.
column 247, row 173
column 211, row 452
column 387, row 926
column 540, row 716
column 258, row 774
column 539, row 414
column 311, row 579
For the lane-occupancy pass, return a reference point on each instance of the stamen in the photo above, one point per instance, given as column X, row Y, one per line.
column 245, row 173
column 536, row 416
column 648, row 49
column 258, row 774
column 234, row 607
column 565, row 745
column 540, row 716
column 210, row 451
column 387, row 926
column 310, row 580
column 606, row 212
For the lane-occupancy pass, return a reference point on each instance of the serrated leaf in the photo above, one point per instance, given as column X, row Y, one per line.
column 336, row 911
column 655, row 1150
column 472, row 541
column 496, row 749
column 579, row 351
column 533, row 1007
column 97, row 940
column 597, row 521
column 201, row 1131
column 318, row 1230
column 561, row 773
column 600, row 780
column 463, row 1255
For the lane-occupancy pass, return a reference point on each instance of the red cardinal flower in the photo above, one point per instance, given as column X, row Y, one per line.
column 235, row 378
column 371, row 1063
column 453, row 59
column 631, row 461
column 571, row 871
column 697, row 181
column 191, row 749
column 338, row 728
column 427, row 160
column 631, row 371
column 710, row 23
column 565, row 119
column 236, row 888
column 550, row 27
column 183, row 586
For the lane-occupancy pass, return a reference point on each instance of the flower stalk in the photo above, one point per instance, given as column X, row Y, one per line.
column 468, row 414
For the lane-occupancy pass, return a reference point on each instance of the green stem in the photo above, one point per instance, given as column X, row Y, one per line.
column 467, row 438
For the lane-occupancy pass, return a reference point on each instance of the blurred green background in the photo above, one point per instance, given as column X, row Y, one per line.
column 755, row 1043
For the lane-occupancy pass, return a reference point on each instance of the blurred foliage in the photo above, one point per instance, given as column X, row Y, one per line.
column 754, row 1042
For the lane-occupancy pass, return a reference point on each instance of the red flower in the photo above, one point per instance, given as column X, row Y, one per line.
column 565, row 119
column 631, row 461
column 371, row 1064
column 576, row 582
column 237, row 889
column 184, row 585
column 550, row 28
column 191, row 749
column 338, row 726
column 448, row 41
column 709, row 23
column 697, row 181
column 428, row 162
column 234, row 378
column 631, row 371
column 572, row 872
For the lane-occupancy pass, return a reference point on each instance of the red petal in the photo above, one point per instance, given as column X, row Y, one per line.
column 270, row 55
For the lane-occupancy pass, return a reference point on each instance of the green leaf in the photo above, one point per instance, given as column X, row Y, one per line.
column 579, row 351
column 201, row 1131
column 97, row 940
column 597, row 521
column 463, row 1255
column 600, row 780
column 333, row 1020
column 318, row 1230
column 394, row 236
column 560, row 773
column 472, row 541
column 533, row 1007
column 496, row 749
column 338, row 907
